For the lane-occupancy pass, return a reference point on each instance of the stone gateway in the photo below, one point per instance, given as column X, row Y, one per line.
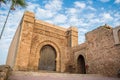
column 38, row 45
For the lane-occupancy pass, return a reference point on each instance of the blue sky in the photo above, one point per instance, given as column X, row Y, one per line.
column 84, row 14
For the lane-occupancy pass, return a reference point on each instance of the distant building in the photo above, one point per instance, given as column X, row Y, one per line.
column 38, row 45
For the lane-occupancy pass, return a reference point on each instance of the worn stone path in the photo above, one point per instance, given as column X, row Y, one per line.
column 56, row 76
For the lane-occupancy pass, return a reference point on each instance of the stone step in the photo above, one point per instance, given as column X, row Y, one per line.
column 41, row 75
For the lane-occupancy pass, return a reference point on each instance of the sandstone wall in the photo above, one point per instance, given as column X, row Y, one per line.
column 72, row 35
column 13, row 48
column 24, row 45
column 102, row 54
column 74, row 53
column 33, row 35
column 100, row 50
column 47, row 34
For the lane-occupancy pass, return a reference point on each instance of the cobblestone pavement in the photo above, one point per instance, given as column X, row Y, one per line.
column 56, row 76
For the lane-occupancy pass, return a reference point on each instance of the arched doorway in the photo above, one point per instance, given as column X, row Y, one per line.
column 47, row 59
column 81, row 65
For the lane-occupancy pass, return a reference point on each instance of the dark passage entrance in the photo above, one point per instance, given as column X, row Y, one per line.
column 47, row 58
column 81, row 65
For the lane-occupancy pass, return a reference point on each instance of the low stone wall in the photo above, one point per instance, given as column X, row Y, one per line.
column 4, row 72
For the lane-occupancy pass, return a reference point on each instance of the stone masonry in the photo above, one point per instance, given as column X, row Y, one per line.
column 5, row 71
column 32, row 35
column 99, row 54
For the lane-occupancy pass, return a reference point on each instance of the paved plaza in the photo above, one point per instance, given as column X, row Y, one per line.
column 56, row 76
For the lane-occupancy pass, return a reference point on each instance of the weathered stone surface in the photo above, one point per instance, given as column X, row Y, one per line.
column 4, row 72
column 32, row 36
column 100, row 53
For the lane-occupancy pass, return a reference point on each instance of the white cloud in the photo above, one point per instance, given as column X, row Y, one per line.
column 107, row 16
column 4, row 46
column 117, row 15
column 117, row 1
column 82, row 30
column 44, row 14
column 73, row 19
column 32, row 6
column 54, row 5
column 104, row 0
column 95, row 20
column 60, row 18
column 91, row 8
column 81, row 38
column 49, row 21
column 80, row 4
column 66, row 25
column 116, row 19
column 71, row 11
column 90, row 16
